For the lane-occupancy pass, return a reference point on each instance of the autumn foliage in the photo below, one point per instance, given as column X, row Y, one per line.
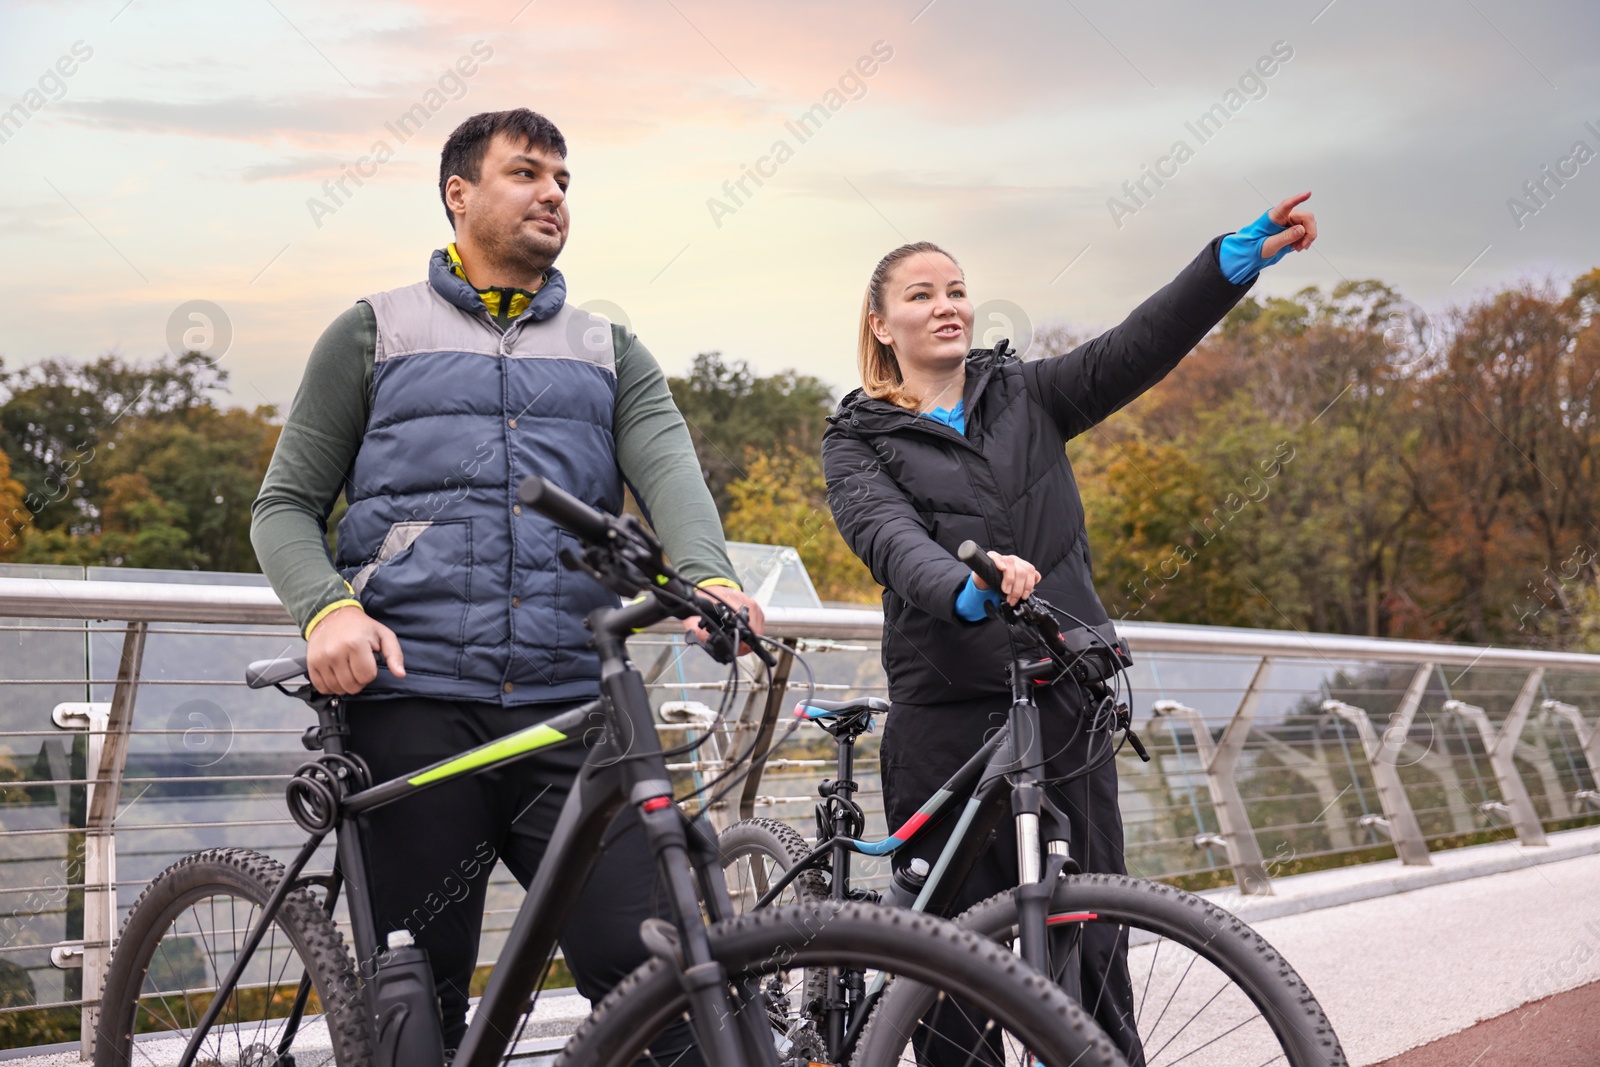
column 1332, row 461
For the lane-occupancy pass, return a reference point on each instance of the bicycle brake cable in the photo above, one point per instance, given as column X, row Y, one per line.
column 737, row 767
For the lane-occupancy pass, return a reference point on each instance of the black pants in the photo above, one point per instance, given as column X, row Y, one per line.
column 430, row 855
column 923, row 745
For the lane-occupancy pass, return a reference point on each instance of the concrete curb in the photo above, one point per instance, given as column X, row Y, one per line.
column 1301, row 893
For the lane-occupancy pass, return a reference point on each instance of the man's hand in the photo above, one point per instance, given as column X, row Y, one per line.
column 1302, row 226
column 733, row 598
column 1017, row 577
column 339, row 651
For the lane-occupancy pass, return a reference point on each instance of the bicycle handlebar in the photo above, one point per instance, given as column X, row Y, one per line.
column 1087, row 655
column 564, row 509
column 628, row 560
column 1034, row 615
column 977, row 559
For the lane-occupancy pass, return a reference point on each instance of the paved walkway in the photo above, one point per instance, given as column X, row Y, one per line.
column 1399, row 971
column 1558, row 1031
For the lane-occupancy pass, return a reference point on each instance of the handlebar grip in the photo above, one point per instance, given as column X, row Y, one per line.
column 564, row 509
column 976, row 558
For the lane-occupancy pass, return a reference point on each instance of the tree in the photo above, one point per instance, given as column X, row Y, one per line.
column 783, row 500
column 129, row 465
column 57, row 414
column 730, row 409
column 206, row 466
column 13, row 516
column 1505, row 475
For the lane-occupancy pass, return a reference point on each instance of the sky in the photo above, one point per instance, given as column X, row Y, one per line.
column 162, row 161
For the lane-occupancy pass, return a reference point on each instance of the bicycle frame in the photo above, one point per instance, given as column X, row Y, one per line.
column 625, row 767
column 1003, row 766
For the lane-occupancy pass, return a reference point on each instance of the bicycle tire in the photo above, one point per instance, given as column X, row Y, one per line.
column 1298, row 1026
column 743, row 846
column 1045, row 1022
column 777, row 841
column 153, row 925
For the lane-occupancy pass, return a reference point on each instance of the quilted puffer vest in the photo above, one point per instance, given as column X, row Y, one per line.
column 434, row 544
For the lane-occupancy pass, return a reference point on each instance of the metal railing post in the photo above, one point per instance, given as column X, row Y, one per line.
column 1501, row 746
column 1588, row 740
column 99, row 845
column 777, row 690
column 1220, row 762
column 1402, row 825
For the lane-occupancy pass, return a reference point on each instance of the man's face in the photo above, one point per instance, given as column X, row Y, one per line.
column 517, row 210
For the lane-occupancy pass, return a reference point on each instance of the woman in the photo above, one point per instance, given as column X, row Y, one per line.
column 942, row 444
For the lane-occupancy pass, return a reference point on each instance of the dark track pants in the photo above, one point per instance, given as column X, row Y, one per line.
column 923, row 745
column 430, row 855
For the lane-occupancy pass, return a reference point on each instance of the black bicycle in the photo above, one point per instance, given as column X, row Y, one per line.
column 231, row 959
column 1205, row 987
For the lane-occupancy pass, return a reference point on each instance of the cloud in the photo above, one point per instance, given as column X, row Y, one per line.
column 296, row 167
column 240, row 118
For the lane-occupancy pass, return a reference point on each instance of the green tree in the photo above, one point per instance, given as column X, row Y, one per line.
column 783, row 500
column 129, row 465
column 57, row 415
column 731, row 409
column 13, row 516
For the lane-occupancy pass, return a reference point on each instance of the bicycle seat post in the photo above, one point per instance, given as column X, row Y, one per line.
column 844, row 786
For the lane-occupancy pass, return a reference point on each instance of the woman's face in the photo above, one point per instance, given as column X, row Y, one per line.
column 927, row 317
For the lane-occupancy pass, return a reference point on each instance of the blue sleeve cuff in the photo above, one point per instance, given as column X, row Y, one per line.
column 971, row 600
column 1239, row 254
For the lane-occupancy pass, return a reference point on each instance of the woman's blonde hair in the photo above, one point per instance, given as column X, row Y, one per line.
column 880, row 371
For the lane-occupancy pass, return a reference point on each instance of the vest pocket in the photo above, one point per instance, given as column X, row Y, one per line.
column 419, row 585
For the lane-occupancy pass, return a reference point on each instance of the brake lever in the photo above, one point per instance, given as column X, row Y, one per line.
column 1125, row 720
column 718, row 645
column 727, row 632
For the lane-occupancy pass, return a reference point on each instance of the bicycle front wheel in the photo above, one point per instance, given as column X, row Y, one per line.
column 991, row 1009
column 298, row 1001
column 1206, row 990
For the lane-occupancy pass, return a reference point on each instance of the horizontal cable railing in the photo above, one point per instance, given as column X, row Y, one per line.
column 127, row 737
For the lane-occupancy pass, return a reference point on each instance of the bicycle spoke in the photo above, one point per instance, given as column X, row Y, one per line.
column 160, row 999
column 233, row 994
column 1224, row 1027
column 1191, row 1019
column 1105, row 976
column 216, row 972
column 1144, row 995
column 1219, row 1037
column 1157, row 1024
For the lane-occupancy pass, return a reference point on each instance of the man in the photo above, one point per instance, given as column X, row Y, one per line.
column 426, row 406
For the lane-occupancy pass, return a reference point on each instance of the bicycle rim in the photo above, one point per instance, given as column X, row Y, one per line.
column 993, row 1009
column 1200, row 988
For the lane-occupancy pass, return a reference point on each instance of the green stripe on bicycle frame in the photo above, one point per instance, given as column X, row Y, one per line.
column 511, row 745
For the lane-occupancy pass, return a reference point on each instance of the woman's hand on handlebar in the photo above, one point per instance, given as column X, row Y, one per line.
column 1017, row 577
column 735, row 599
column 339, row 651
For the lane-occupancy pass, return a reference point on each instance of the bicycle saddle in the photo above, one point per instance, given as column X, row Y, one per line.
column 265, row 672
column 827, row 709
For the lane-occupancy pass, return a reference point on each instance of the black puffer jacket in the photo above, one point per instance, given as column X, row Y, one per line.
column 906, row 490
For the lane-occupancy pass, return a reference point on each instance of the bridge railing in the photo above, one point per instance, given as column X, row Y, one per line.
column 127, row 739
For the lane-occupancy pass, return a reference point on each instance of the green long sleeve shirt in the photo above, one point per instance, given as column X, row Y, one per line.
column 327, row 422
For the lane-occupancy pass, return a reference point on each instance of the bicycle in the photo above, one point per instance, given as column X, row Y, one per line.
column 1180, row 944
column 236, row 957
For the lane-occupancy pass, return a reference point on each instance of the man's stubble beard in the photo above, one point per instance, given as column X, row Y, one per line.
column 515, row 251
